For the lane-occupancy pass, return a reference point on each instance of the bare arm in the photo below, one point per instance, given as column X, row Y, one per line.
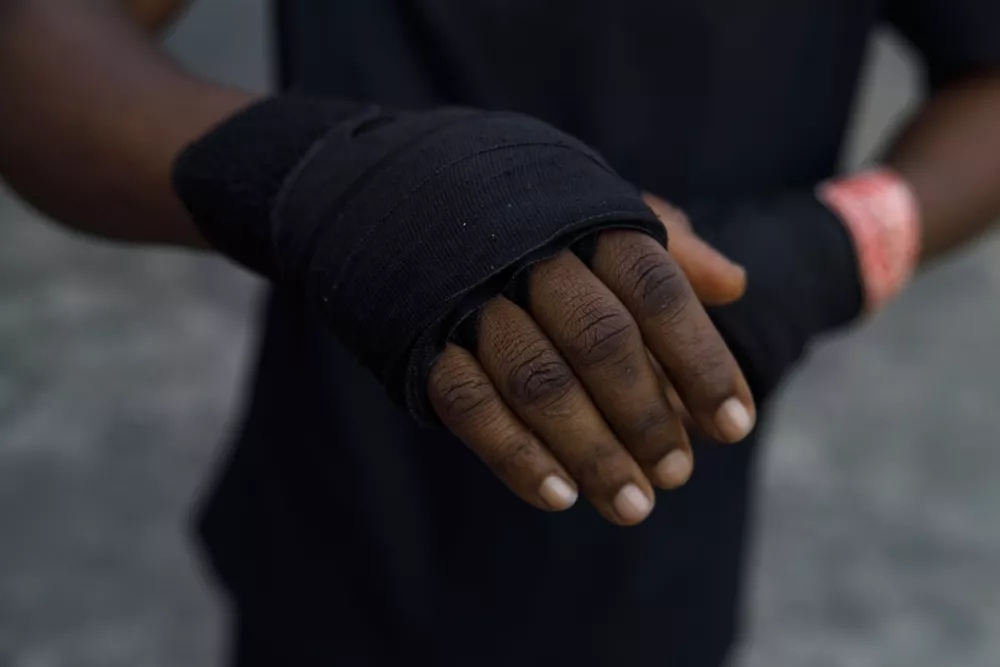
column 91, row 122
column 950, row 154
column 92, row 116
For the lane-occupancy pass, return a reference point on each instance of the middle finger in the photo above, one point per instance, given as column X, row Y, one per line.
column 603, row 344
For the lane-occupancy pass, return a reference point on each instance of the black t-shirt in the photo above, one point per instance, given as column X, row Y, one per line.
column 346, row 534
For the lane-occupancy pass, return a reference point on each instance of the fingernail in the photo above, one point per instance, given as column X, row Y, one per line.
column 674, row 469
column 557, row 493
column 734, row 420
column 631, row 504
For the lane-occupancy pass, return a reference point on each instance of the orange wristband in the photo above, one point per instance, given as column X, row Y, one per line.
column 882, row 216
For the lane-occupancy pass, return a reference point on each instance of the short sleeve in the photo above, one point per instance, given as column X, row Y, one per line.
column 954, row 36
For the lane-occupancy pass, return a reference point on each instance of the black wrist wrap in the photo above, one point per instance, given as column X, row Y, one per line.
column 397, row 226
column 802, row 279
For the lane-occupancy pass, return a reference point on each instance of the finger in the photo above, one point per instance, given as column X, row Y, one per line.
column 678, row 332
column 540, row 387
column 674, row 218
column 468, row 405
column 716, row 279
column 673, row 399
column 602, row 343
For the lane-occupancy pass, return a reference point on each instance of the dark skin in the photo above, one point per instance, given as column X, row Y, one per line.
column 92, row 118
column 561, row 399
column 950, row 154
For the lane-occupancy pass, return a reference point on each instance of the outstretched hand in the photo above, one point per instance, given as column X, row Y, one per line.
column 571, row 395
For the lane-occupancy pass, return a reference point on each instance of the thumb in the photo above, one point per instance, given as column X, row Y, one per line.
column 715, row 278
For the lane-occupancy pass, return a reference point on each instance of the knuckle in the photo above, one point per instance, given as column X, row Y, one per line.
column 658, row 286
column 603, row 465
column 460, row 397
column 676, row 324
column 510, row 345
column 515, row 458
column 541, row 380
column 650, row 433
column 713, row 373
column 598, row 331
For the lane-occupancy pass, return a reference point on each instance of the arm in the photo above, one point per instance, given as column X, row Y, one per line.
column 93, row 115
column 323, row 196
column 950, row 155
column 940, row 185
column 950, row 150
column 818, row 270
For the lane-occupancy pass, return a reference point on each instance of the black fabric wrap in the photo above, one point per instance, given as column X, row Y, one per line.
column 397, row 226
column 802, row 279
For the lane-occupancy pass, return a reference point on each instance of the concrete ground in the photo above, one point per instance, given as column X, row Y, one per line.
column 877, row 541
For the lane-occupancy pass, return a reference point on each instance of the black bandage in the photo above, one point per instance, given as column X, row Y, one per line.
column 397, row 226
column 802, row 279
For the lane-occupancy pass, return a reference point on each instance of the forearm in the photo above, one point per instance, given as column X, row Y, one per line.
column 93, row 115
column 950, row 155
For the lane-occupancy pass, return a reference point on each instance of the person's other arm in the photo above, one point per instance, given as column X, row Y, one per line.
column 949, row 152
column 92, row 116
column 817, row 260
column 950, row 155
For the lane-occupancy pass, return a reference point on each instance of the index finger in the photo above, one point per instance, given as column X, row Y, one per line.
column 716, row 279
column 677, row 331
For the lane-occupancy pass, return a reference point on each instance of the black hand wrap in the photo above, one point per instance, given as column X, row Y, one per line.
column 397, row 226
column 802, row 279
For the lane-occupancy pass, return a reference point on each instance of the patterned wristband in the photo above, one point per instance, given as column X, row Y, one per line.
column 882, row 216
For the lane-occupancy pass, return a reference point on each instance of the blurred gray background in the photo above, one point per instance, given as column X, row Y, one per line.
column 877, row 541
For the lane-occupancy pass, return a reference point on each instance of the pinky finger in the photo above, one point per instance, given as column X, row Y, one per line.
column 470, row 407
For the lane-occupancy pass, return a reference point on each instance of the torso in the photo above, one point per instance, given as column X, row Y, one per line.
column 340, row 527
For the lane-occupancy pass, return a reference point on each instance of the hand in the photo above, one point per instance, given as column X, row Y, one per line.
column 395, row 226
column 715, row 278
column 802, row 279
column 567, row 396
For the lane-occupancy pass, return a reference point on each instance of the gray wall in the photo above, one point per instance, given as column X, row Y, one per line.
column 877, row 540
